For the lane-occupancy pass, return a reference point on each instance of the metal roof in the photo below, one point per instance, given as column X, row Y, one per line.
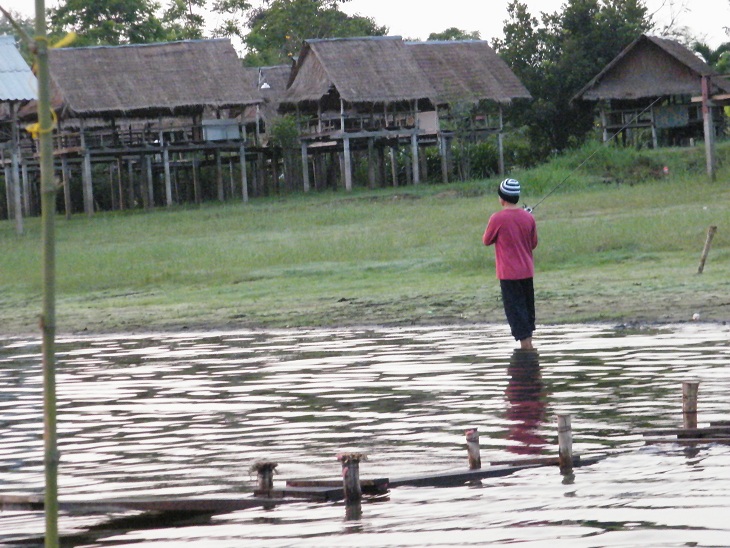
column 17, row 82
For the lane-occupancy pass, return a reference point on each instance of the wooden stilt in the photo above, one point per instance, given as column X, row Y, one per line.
column 130, row 184
column 150, row 182
column 347, row 164
column 444, row 146
column 265, row 473
column 394, row 165
column 414, row 160
column 166, row 167
column 86, row 178
column 351, row 476
column 372, row 161
column 472, row 448
column 565, row 443
column 14, row 205
column 65, row 178
column 219, row 175
column 689, row 403
column 196, row 181
column 244, row 174
column 120, row 184
column 26, row 187
column 708, row 126
column 305, row 166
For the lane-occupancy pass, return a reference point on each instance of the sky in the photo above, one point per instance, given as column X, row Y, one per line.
column 419, row 18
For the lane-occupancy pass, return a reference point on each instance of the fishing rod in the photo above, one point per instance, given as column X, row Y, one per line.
column 569, row 175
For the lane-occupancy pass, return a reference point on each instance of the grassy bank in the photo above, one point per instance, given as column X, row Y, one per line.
column 620, row 241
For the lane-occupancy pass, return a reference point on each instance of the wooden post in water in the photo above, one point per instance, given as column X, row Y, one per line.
column 472, row 448
column 565, row 443
column 689, row 403
column 265, row 472
column 710, row 234
column 351, row 476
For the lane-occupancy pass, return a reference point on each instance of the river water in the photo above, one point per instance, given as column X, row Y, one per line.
column 186, row 414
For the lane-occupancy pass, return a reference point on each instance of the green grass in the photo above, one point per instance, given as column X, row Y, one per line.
column 619, row 241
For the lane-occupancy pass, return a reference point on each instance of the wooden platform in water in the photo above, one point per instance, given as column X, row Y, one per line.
column 318, row 490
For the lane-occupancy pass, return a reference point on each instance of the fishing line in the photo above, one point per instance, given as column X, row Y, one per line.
column 569, row 175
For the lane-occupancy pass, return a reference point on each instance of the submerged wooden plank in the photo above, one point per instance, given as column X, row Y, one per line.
column 315, row 493
column 192, row 505
column 368, row 486
column 21, row 502
column 459, row 477
column 549, row 461
column 686, row 441
column 689, row 432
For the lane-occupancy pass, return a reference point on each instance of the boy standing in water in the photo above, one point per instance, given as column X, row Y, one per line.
column 514, row 235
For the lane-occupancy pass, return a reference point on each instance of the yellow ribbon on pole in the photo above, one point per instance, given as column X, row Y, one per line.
column 35, row 129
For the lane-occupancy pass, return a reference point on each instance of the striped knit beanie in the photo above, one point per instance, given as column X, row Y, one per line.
column 509, row 190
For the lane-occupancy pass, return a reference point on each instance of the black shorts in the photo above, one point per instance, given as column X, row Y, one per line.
column 518, row 297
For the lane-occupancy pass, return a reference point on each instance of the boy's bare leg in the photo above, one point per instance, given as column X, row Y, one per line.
column 526, row 344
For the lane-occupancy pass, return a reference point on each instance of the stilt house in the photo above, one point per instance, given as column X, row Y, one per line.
column 651, row 94
column 18, row 86
column 381, row 92
column 140, row 114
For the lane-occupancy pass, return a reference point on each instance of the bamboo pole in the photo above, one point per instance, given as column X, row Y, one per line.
column 706, row 250
column 48, row 315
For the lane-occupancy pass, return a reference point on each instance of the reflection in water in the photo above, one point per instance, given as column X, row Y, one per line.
column 526, row 398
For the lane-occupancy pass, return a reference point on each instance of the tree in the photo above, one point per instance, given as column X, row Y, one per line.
column 235, row 13
column 278, row 29
column 108, row 22
column 183, row 21
column 558, row 56
column 453, row 33
column 716, row 58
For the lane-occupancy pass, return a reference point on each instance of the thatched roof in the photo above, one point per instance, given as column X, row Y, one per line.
column 363, row 70
column 469, row 71
column 149, row 79
column 651, row 67
column 386, row 69
column 17, row 82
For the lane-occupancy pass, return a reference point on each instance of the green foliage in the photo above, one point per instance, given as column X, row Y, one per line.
column 719, row 58
column 278, row 30
column 453, row 33
column 285, row 132
column 181, row 20
column 108, row 22
column 558, row 56
column 234, row 12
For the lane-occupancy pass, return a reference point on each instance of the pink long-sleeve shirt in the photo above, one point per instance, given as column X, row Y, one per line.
column 514, row 235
